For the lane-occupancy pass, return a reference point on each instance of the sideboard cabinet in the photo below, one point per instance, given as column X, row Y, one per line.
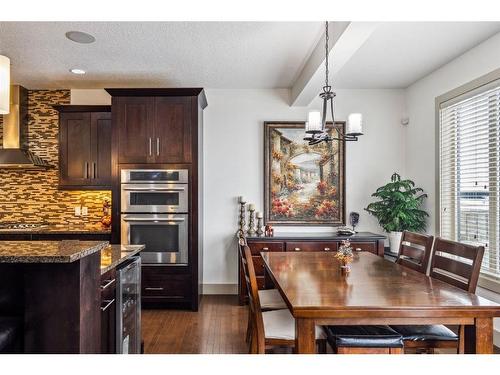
column 361, row 241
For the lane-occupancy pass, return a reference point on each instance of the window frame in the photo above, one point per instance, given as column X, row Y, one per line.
column 469, row 89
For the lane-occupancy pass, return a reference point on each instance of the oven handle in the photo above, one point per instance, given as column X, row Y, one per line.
column 153, row 220
column 154, row 189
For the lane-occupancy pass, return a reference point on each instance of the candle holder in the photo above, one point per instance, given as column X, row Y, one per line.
column 251, row 221
column 241, row 222
column 259, row 231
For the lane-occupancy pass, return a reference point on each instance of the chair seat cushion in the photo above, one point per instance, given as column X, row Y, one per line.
column 270, row 299
column 363, row 337
column 426, row 333
column 280, row 324
column 10, row 331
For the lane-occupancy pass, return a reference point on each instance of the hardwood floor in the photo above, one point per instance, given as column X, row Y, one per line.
column 217, row 328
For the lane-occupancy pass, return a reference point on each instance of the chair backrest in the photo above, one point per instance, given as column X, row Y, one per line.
column 253, row 298
column 457, row 264
column 415, row 251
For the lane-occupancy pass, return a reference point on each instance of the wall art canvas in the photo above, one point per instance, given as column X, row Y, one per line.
column 304, row 185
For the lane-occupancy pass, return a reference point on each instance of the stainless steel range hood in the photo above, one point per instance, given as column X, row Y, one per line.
column 15, row 153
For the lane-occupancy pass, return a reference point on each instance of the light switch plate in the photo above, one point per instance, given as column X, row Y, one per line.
column 85, row 211
column 78, row 211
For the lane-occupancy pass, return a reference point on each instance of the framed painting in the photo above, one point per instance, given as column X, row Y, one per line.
column 303, row 184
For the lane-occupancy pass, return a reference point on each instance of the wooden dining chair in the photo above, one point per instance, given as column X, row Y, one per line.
column 270, row 299
column 457, row 264
column 270, row 328
column 415, row 251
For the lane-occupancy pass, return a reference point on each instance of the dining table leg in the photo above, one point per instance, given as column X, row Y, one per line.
column 479, row 337
column 305, row 336
column 484, row 335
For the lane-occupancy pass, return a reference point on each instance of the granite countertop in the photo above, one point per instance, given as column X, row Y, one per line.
column 113, row 255
column 358, row 236
column 60, row 229
column 47, row 251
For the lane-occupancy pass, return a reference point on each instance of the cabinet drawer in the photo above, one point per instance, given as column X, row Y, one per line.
column 257, row 247
column 258, row 264
column 108, row 286
column 155, row 283
column 311, row 246
column 261, row 282
column 365, row 246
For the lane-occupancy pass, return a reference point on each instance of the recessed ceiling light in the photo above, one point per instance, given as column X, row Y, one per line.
column 80, row 37
column 77, row 71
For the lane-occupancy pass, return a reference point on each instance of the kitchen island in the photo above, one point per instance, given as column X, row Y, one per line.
column 54, row 289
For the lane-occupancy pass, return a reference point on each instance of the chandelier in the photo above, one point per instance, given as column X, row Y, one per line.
column 316, row 131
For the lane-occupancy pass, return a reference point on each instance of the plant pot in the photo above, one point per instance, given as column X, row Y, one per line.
column 395, row 241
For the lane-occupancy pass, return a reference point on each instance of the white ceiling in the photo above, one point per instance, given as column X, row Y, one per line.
column 206, row 54
column 399, row 53
column 225, row 54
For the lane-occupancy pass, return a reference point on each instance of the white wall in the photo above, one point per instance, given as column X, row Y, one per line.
column 90, row 97
column 234, row 160
column 420, row 133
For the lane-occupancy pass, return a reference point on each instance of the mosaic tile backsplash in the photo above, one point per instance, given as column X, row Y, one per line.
column 32, row 196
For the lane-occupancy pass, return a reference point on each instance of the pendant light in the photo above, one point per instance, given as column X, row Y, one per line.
column 316, row 131
column 4, row 85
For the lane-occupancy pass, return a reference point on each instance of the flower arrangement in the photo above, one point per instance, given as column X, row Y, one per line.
column 345, row 255
column 327, row 208
column 282, row 208
column 277, row 155
column 322, row 186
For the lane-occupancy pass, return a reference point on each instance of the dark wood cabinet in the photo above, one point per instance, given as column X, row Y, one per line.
column 161, row 128
column 172, row 129
column 154, row 129
column 291, row 242
column 84, row 147
column 135, row 133
column 165, row 284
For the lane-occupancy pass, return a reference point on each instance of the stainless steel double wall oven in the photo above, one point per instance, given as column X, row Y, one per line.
column 154, row 212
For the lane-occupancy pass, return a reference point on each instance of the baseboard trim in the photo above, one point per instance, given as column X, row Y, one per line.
column 220, row 289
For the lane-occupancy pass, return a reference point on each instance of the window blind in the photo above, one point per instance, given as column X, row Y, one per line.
column 469, row 150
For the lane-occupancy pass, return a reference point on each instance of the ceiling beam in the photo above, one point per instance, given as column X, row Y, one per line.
column 345, row 39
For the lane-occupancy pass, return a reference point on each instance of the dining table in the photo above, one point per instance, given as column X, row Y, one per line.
column 375, row 291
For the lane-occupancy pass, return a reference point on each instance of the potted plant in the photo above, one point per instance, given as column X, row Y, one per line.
column 399, row 209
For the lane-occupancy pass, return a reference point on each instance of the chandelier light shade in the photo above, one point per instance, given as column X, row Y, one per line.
column 4, row 85
column 316, row 129
column 313, row 124
column 354, row 125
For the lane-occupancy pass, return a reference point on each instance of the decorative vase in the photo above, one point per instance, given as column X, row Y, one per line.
column 395, row 241
column 345, row 267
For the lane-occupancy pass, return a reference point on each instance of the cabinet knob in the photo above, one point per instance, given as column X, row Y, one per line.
column 326, row 249
column 359, row 249
column 265, row 249
column 297, row 249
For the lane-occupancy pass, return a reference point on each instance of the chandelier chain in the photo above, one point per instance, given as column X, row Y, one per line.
column 326, row 53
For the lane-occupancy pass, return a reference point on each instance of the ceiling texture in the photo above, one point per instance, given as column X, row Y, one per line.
column 233, row 55
column 153, row 54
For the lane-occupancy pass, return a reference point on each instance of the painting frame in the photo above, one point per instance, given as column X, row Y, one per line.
column 270, row 126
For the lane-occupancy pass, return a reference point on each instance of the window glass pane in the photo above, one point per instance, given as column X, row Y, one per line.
column 469, row 173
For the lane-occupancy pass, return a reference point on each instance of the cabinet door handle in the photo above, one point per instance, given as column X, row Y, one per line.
column 94, row 170
column 108, row 302
column 150, row 147
column 152, row 288
column 297, row 249
column 86, row 170
column 157, row 146
column 327, row 249
column 265, row 249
